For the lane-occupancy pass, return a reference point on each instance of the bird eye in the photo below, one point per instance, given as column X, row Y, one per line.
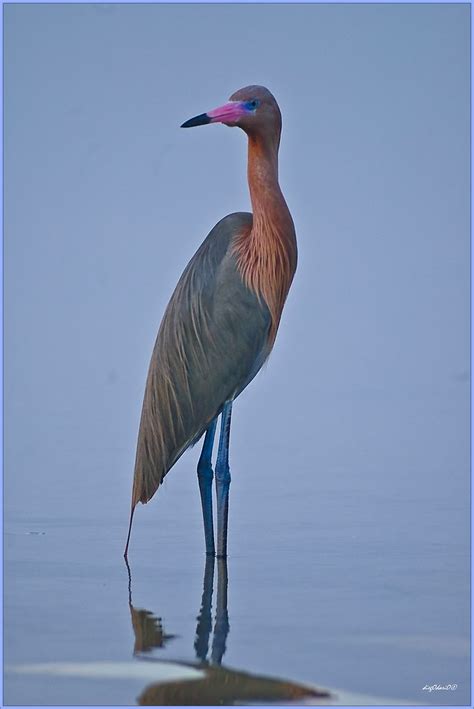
column 252, row 105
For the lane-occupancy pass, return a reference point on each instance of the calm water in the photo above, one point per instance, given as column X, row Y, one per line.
column 337, row 577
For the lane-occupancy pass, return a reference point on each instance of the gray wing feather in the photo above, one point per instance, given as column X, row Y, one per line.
column 211, row 343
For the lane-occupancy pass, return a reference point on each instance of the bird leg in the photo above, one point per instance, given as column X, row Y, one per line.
column 205, row 476
column 223, row 480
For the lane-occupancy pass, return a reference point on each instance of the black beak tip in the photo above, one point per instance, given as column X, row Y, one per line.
column 200, row 120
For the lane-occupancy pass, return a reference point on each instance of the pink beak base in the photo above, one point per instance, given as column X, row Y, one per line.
column 228, row 113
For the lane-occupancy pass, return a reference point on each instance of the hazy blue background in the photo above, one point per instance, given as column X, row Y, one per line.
column 349, row 519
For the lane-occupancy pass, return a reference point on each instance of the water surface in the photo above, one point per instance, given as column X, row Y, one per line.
column 333, row 579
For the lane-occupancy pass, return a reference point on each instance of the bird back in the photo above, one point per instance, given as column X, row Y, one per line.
column 212, row 341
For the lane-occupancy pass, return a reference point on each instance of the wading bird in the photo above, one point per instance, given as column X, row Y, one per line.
column 221, row 322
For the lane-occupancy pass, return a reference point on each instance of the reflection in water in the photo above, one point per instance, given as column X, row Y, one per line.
column 148, row 631
column 223, row 686
column 204, row 620
column 220, row 685
column 147, row 628
column 204, row 624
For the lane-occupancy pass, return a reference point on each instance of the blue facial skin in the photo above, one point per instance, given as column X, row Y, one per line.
column 252, row 105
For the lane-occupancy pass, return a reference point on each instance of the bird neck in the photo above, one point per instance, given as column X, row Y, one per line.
column 262, row 172
column 267, row 256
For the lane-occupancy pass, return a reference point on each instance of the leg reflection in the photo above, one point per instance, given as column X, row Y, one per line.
column 204, row 619
column 221, row 625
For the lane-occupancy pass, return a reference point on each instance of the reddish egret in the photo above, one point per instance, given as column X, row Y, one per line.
column 221, row 322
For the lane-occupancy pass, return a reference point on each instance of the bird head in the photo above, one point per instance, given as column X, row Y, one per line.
column 253, row 108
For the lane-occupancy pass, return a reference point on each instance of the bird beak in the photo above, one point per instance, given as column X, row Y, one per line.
column 229, row 114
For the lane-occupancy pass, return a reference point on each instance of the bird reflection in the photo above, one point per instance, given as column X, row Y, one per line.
column 148, row 629
column 204, row 620
column 218, row 685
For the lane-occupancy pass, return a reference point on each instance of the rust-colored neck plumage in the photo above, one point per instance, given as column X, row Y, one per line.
column 267, row 255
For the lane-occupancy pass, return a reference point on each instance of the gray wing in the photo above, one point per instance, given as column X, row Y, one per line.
column 211, row 343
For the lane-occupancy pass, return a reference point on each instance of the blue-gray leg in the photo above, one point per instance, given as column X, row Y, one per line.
column 205, row 476
column 223, row 480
